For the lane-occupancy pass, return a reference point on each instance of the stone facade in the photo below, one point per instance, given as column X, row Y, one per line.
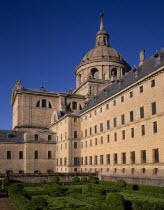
column 111, row 124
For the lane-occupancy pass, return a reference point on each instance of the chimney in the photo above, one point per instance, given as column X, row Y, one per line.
column 142, row 57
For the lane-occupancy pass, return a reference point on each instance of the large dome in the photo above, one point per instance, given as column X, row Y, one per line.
column 102, row 53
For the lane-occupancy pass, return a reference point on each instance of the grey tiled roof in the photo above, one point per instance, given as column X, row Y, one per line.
column 150, row 65
column 11, row 136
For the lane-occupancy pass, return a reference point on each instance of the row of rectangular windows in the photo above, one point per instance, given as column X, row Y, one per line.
column 36, row 155
column 143, row 132
column 94, row 160
column 141, row 89
column 131, row 118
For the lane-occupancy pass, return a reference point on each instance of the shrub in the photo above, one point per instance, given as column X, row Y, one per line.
column 5, row 182
column 120, row 183
column 114, row 200
column 54, row 194
column 83, row 179
column 93, row 180
column 43, row 182
column 144, row 205
column 15, row 189
column 55, row 179
column 38, row 203
column 75, row 179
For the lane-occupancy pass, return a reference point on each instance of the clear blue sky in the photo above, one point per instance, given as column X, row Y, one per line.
column 41, row 41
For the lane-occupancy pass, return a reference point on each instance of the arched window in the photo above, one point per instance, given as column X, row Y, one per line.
column 95, row 73
column 114, row 72
column 43, row 103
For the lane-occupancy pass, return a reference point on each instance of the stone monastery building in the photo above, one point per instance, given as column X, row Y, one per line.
column 112, row 123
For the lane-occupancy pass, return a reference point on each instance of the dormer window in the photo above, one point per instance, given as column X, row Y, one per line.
column 43, row 104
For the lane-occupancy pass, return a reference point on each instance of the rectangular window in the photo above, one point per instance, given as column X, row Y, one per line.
column 90, row 130
column 95, row 128
column 114, row 103
column 142, row 130
column 131, row 116
column 95, row 160
column 123, row 134
column 49, row 137
column 76, row 161
column 108, row 138
column 101, row 139
column 108, row 124
column 115, row 136
column 90, row 160
column 74, row 105
column 155, row 129
column 101, row 127
column 143, row 156
column 132, row 157
column 8, row 155
column 115, row 158
column 86, row 144
column 49, row 154
column 114, row 122
column 75, row 134
column 61, row 162
column 57, row 161
column 85, row 132
column 122, row 98
column 153, row 105
column 36, row 136
column 81, row 144
column 141, row 112
column 131, row 94
column 20, row 154
column 95, row 112
column 141, row 89
column 155, row 156
column 101, row 159
column 153, row 83
column 44, row 103
column 100, row 109
column 123, row 158
column 107, row 106
column 75, row 145
column 132, row 132
column 108, row 159
column 86, row 161
column 95, row 141
column 35, row 154
column 122, row 119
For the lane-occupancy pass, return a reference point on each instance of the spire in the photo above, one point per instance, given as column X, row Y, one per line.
column 102, row 36
column 101, row 21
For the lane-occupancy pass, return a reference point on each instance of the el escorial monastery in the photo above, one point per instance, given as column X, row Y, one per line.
column 111, row 124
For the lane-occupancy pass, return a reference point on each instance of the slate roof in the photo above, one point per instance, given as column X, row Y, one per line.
column 11, row 136
column 149, row 65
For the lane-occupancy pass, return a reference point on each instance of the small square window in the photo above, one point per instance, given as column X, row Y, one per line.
column 155, row 171
column 122, row 98
column 141, row 89
column 36, row 137
column 49, row 137
column 131, row 94
column 153, row 83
